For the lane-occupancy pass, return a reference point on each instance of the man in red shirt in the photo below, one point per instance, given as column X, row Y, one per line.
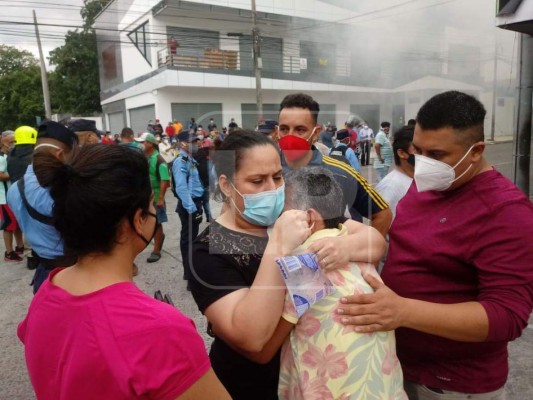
column 170, row 131
column 458, row 277
column 350, row 126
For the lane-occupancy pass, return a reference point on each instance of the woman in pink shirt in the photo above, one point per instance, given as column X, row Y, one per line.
column 90, row 333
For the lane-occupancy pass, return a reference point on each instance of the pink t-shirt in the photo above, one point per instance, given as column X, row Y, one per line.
column 116, row 343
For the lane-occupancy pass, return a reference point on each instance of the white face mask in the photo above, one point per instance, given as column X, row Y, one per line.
column 432, row 174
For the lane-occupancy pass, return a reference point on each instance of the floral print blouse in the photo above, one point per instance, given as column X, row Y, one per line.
column 323, row 359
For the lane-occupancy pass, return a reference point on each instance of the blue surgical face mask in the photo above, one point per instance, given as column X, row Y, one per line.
column 262, row 209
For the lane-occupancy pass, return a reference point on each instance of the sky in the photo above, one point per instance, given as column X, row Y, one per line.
column 15, row 14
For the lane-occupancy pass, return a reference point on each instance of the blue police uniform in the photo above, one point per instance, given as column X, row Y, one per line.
column 189, row 189
column 45, row 240
column 350, row 156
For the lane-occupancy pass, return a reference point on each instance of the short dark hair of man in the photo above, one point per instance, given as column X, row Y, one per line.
column 460, row 111
column 127, row 133
column 411, row 122
column 385, row 124
column 301, row 100
column 402, row 139
column 315, row 187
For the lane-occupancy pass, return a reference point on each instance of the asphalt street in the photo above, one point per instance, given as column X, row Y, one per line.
column 165, row 275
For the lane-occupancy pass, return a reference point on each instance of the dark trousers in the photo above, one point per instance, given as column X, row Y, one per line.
column 205, row 204
column 189, row 231
column 41, row 274
column 365, row 153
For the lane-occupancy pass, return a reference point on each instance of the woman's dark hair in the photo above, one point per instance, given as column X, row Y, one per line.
column 230, row 152
column 94, row 190
column 402, row 139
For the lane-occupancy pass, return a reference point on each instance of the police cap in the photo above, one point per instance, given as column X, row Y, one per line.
column 54, row 130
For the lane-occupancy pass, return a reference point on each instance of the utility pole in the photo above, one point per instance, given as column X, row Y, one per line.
column 258, row 63
column 522, row 142
column 494, row 87
column 44, row 77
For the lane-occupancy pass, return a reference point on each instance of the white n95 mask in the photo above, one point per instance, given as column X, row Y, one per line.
column 432, row 174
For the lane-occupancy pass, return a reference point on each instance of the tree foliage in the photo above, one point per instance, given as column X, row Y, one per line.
column 91, row 8
column 21, row 98
column 75, row 81
column 74, row 84
column 13, row 59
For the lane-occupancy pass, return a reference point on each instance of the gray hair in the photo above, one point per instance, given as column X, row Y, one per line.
column 6, row 134
column 315, row 187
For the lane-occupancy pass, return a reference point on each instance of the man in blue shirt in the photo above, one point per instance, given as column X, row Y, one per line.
column 342, row 149
column 32, row 204
column 189, row 190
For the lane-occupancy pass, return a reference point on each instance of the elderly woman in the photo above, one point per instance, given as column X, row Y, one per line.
column 321, row 353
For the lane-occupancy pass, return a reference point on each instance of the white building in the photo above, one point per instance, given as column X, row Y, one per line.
column 174, row 59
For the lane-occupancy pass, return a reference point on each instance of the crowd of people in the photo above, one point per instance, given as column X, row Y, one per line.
column 454, row 288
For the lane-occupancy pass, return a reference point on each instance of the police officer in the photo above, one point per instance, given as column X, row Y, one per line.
column 343, row 151
column 32, row 204
column 189, row 190
column 86, row 131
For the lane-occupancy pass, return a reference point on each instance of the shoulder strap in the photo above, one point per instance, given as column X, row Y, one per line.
column 36, row 215
column 339, row 149
column 160, row 160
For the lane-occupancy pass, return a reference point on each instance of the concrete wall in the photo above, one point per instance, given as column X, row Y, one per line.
column 232, row 99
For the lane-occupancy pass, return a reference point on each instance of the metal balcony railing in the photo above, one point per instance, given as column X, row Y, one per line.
column 232, row 60
column 199, row 58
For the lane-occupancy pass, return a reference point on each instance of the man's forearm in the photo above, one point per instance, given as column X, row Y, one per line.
column 382, row 221
column 163, row 186
column 463, row 322
column 365, row 243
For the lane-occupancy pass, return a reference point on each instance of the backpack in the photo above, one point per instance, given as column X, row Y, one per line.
column 161, row 160
column 339, row 153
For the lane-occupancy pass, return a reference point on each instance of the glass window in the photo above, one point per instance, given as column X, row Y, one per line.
column 139, row 38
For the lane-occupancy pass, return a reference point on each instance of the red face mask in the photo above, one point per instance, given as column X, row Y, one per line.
column 295, row 147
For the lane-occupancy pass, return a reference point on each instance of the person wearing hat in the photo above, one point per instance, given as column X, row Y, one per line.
column 342, row 150
column 189, row 191
column 268, row 128
column 86, row 131
column 21, row 155
column 160, row 180
column 32, row 203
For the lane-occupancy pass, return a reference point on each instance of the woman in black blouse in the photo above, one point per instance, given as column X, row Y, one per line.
column 234, row 278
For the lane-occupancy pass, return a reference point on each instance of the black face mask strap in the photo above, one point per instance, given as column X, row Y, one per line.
column 146, row 241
